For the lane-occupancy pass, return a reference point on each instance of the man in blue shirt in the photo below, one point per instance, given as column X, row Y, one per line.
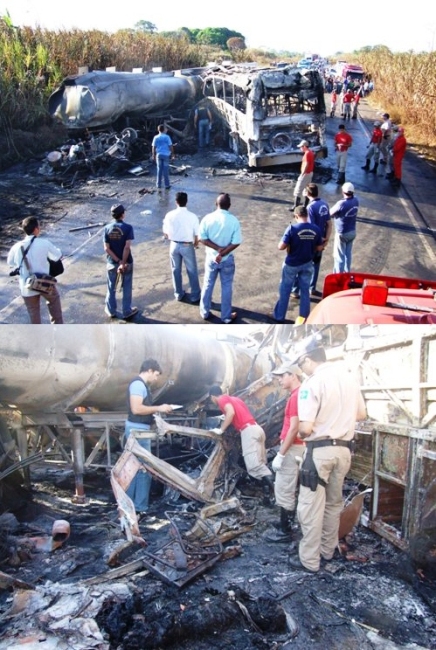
column 220, row 232
column 140, row 411
column 319, row 214
column 301, row 241
column 344, row 212
column 117, row 239
column 162, row 150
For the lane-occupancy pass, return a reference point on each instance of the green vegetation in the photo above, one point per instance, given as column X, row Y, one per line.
column 34, row 62
column 404, row 87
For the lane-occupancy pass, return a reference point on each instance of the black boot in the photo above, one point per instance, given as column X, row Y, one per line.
column 268, row 491
column 366, row 166
column 284, row 532
column 374, row 169
column 297, row 202
column 341, row 178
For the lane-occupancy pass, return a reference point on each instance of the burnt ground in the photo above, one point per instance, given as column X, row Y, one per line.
column 370, row 596
column 396, row 230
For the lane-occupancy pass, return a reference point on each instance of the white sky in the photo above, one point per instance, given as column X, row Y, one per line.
column 315, row 26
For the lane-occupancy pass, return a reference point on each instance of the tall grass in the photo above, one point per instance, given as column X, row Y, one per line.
column 34, row 61
column 405, row 87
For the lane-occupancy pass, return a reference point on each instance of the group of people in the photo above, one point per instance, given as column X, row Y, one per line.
column 304, row 242
column 387, row 147
column 318, row 429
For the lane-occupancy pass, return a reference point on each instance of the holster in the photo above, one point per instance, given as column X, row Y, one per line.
column 309, row 476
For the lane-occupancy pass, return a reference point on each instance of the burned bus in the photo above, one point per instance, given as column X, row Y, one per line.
column 267, row 112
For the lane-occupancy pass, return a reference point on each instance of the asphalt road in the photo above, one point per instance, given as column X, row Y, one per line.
column 395, row 234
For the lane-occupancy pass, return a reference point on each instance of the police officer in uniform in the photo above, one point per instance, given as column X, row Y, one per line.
column 329, row 403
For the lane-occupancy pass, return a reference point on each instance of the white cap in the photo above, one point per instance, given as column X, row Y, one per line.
column 347, row 188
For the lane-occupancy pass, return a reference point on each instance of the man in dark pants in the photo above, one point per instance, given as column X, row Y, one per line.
column 117, row 240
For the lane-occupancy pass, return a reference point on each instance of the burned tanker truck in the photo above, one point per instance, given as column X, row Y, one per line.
column 268, row 112
column 264, row 113
column 101, row 99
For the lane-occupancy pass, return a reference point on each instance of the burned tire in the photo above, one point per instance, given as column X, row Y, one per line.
column 281, row 142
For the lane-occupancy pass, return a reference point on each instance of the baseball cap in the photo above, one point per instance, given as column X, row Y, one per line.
column 303, row 143
column 290, row 368
column 117, row 210
column 376, row 123
column 347, row 188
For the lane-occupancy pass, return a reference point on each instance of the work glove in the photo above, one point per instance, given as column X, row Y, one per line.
column 278, row 462
column 217, row 430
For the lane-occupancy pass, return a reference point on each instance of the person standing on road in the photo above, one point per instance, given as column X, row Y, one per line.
column 344, row 212
column 291, row 446
column 140, row 412
column 237, row 414
column 32, row 255
column 343, row 142
column 220, row 232
column 374, row 149
column 117, row 240
column 301, row 241
column 162, row 151
column 347, row 101
column 306, row 172
column 386, row 129
column 329, row 404
column 398, row 152
column 318, row 213
column 181, row 227
column 203, row 124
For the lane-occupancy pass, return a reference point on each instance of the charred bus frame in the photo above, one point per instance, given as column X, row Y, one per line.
column 269, row 111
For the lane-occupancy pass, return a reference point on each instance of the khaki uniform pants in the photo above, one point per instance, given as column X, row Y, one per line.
column 254, row 452
column 341, row 160
column 285, row 484
column 319, row 512
column 302, row 182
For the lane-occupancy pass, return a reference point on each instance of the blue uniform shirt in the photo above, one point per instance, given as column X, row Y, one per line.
column 302, row 238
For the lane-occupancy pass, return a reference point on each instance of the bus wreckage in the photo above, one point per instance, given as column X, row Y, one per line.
column 269, row 111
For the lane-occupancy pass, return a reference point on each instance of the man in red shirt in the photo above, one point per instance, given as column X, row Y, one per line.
column 346, row 104
column 238, row 415
column 374, row 149
column 306, row 173
column 343, row 142
column 291, row 446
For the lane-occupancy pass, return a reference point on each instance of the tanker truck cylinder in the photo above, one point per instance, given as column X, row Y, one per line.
column 78, row 464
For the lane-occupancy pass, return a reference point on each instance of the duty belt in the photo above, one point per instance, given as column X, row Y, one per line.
column 330, row 442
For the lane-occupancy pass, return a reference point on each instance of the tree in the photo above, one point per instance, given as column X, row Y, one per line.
column 145, row 26
column 236, row 43
column 216, row 36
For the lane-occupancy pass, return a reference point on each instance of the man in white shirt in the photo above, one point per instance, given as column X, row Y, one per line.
column 36, row 260
column 181, row 227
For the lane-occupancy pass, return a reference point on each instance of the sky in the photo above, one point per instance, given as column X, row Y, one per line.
column 315, row 27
